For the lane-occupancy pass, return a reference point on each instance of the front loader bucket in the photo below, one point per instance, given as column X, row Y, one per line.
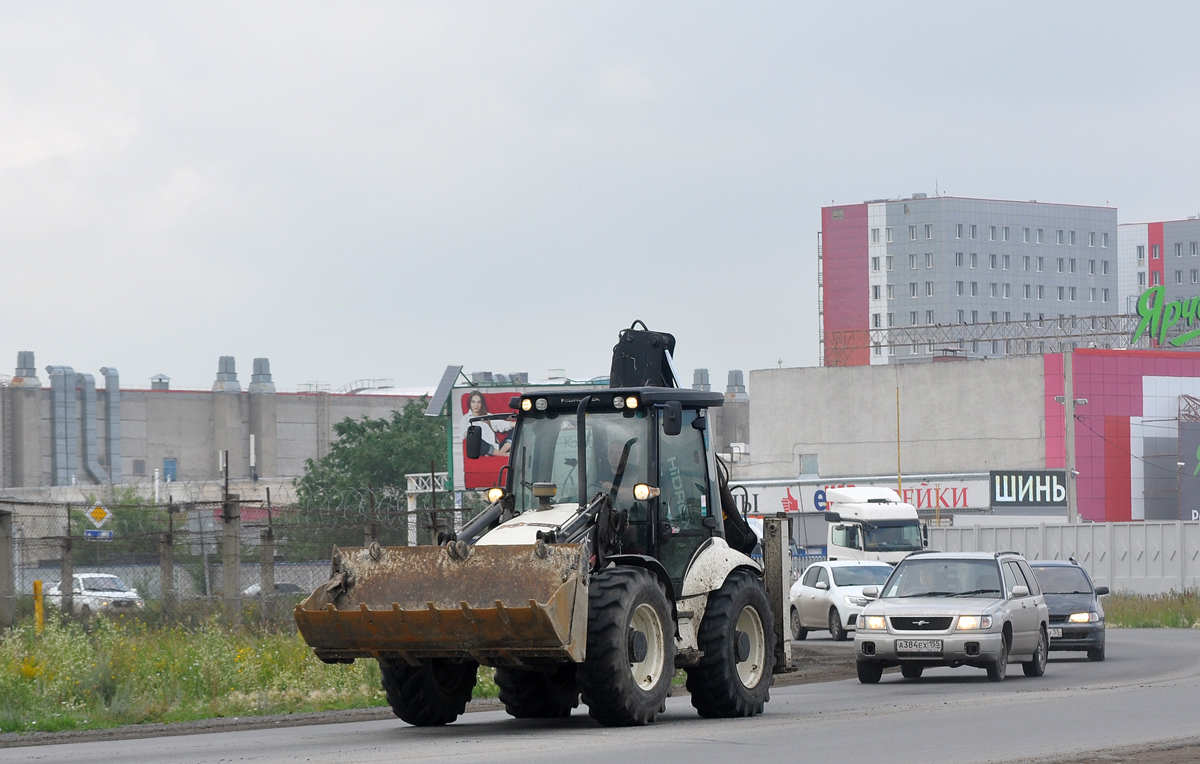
column 495, row 604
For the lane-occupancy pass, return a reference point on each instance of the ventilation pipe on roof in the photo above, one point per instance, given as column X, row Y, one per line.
column 64, row 425
column 86, row 385
column 112, row 422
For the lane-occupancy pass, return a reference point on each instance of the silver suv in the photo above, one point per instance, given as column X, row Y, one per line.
column 961, row 609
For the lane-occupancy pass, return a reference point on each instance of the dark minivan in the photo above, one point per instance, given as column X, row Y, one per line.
column 1076, row 613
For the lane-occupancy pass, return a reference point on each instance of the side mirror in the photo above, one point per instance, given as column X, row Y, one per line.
column 871, row 592
column 1101, row 590
column 831, row 517
column 1019, row 591
column 474, row 441
column 672, row 418
column 822, row 585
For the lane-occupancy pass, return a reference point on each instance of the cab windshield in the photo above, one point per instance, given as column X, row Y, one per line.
column 546, row 451
column 104, row 584
column 944, row 578
column 893, row 536
column 1062, row 580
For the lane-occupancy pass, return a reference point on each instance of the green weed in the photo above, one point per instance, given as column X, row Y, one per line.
column 1171, row 610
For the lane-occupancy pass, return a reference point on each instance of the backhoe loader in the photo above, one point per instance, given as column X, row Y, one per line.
column 611, row 555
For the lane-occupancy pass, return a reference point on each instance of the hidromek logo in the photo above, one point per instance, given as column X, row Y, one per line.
column 1159, row 316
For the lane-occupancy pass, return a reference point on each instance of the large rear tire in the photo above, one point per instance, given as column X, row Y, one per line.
column 630, row 660
column 538, row 694
column 737, row 639
column 431, row 694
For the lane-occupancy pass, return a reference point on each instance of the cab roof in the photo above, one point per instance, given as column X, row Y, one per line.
column 602, row 399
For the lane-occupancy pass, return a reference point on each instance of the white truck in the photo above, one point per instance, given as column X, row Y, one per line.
column 871, row 524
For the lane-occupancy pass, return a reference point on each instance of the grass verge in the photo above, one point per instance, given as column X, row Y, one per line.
column 119, row 672
column 1171, row 610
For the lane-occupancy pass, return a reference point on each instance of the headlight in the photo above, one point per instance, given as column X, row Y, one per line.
column 642, row 491
column 541, row 404
column 872, row 622
column 526, row 404
column 974, row 622
column 631, row 402
column 856, row 601
column 618, row 402
column 1084, row 617
column 494, row 495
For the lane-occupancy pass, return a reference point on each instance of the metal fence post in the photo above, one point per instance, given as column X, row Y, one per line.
column 166, row 566
column 775, row 547
column 66, row 573
column 8, row 584
column 266, row 584
column 231, row 558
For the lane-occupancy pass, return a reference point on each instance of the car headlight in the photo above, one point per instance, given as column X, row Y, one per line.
column 974, row 622
column 856, row 601
column 1091, row 617
column 872, row 622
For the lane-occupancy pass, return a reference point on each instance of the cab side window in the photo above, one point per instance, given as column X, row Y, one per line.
column 683, row 498
column 810, row 576
column 846, row 536
column 76, row 586
column 1014, row 577
column 823, row 577
column 1034, row 587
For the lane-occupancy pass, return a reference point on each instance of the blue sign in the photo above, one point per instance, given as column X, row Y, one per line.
column 95, row 535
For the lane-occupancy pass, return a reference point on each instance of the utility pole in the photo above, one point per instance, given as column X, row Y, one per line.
column 1069, row 402
column 231, row 557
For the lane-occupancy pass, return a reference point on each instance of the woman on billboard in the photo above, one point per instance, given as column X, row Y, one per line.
column 495, row 431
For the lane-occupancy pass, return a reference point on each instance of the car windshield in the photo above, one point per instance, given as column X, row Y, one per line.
column 861, row 575
column 546, row 451
column 944, row 578
column 1062, row 580
column 893, row 536
column 104, row 584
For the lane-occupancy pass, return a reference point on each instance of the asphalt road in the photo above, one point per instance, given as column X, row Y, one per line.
column 1148, row 691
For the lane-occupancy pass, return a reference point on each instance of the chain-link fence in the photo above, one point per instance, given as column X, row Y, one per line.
column 212, row 551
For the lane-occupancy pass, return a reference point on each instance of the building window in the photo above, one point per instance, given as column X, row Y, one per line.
column 875, row 292
column 993, row 287
column 1060, row 265
column 974, row 316
column 1092, row 294
column 878, row 349
column 1105, row 295
column 139, row 466
column 1025, row 236
column 912, row 233
column 1025, row 263
column 875, row 320
column 972, row 230
column 1193, row 249
column 929, row 289
column 912, row 289
column 912, row 318
column 958, row 288
column 1041, row 263
column 928, row 259
column 875, row 263
column 960, row 317
column 891, row 319
column 1071, row 238
column 891, row 291
column 992, row 316
column 992, row 262
column 916, row 350
column 1141, row 278
column 1040, row 237
column 1041, row 292
column 1007, row 287
column 1178, row 249
column 1157, row 279
column 991, row 233
column 912, row 262
column 1005, row 262
column 1178, row 277
column 1007, row 316
column 958, row 230
column 1091, row 238
column 974, row 288
column 929, row 230
column 1059, row 236
column 1141, row 250
column 888, row 261
column 874, row 235
column 1072, row 264
column 1006, row 233
column 1155, row 252
column 1061, row 290
column 839, row 214
column 1104, row 267
column 1104, row 239
column 958, row 259
column 1092, row 267
column 1195, row 274
column 1072, row 294
column 170, row 470
column 974, row 260
column 929, row 317
column 1025, row 291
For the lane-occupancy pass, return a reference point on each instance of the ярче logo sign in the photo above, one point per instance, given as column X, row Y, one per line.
column 1028, row 488
column 1159, row 316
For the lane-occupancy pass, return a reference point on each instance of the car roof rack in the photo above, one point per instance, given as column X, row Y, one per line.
column 1073, row 560
column 1006, row 551
column 922, row 551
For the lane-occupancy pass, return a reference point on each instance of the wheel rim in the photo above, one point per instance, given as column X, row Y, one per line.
column 795, row 623
column 1043, row 653
column 649, row 670
column 750, row 671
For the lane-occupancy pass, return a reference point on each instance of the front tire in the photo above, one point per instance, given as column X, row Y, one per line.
column 630, row 648
column 911, row 670
column 798, row 630
column 869, row 672
column 835, row 625
column 999, row 668
column 538, row 694
column 737, row 637
column 431, row 694
column 1096, row 653
column 1037, row 666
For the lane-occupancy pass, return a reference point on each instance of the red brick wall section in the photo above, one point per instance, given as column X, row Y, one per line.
column 845, row 258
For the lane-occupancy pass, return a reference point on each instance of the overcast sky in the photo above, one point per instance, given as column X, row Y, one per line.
column 380, row 189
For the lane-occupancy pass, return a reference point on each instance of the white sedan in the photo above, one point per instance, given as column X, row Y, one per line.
column 829, row 595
